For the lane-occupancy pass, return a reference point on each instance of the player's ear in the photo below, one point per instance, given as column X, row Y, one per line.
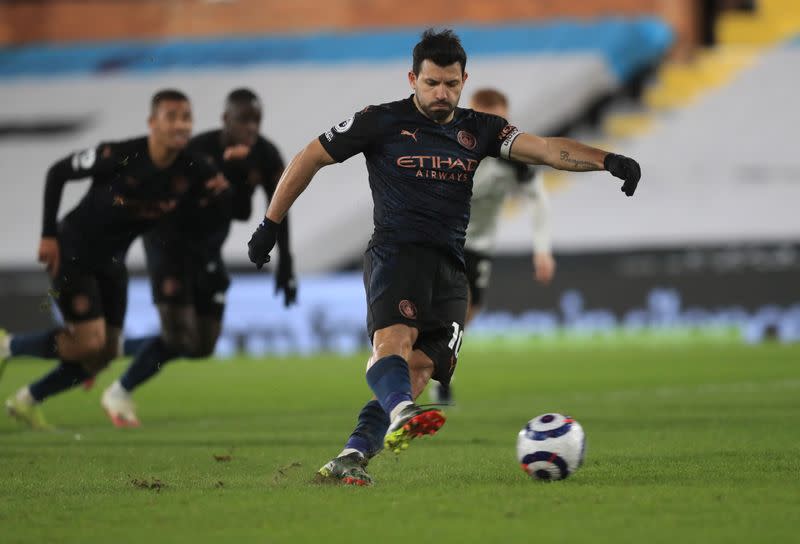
column 412, row 79
column 464, row 79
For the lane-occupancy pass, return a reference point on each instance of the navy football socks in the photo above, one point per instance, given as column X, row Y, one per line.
column 65, row 376
column 132, row 346
column 36, row 344
column 368, row 435
column 147, row 363
column 390, row 381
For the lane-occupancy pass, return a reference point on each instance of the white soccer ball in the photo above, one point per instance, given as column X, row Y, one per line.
column 551, row 447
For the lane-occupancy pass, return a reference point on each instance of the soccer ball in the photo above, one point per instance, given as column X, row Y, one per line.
column 551, row 447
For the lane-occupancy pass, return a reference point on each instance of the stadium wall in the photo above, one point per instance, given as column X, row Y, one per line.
column 24, row 22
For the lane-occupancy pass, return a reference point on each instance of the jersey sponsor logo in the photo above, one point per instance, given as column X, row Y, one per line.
column 438, row 162
column 440, row 168
column 345, row 125
column 84, row 160
column 408, row 309
column 412, row 135
column 466, row 139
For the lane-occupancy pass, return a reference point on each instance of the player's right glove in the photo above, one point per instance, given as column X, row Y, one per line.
column 625, row 169
column 262, row 242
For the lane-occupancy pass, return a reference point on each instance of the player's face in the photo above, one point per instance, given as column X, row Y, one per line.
column 242, row 123
column 438, row 89
column 499, row 110
column 171, row 124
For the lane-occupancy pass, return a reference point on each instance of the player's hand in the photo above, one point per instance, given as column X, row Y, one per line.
column 218, row 184
column 235, row 152
column 544, row 267
column 50, row 255
column 262, row 242
column 625, row 169
column 285, row 281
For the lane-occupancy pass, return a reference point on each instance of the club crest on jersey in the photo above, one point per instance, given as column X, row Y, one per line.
column 408, row 309
column 412, row 135
column 466, row 139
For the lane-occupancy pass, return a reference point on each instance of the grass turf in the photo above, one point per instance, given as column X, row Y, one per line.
column 685, row 443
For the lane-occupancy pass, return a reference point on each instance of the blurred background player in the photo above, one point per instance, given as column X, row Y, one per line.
column 494, row 180
column 135, row 183
column 421, row 155
column 184, row 253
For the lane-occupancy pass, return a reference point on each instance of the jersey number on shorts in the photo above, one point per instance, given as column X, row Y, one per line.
column 455, row 341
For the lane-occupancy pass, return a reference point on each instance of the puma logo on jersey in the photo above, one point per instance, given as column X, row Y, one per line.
column 413, row 135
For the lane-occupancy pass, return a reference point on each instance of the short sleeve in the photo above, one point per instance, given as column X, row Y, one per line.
column 500, row 135
column 95, row 160
column 353, row 135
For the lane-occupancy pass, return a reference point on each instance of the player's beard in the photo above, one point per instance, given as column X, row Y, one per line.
column 439, row 114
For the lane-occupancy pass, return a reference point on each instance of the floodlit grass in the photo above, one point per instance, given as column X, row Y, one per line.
column 693, row 443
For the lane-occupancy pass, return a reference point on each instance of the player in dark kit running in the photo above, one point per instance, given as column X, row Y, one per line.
column 135, row 183
column 421, row 155
column 184, row 254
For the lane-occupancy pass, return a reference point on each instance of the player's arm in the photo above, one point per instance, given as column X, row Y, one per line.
column 568, row 154
column 294, row 180
column 285, row 281
column 76, row 166
column 544, row 265
column 348, row 138
column 296, row 177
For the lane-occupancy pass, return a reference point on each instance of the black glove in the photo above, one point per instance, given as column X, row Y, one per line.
column 625, row 169
column 262, row 242
column 284, row 280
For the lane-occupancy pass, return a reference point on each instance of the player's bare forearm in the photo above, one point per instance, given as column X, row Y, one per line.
column 574, row 156
column 560, row 153
column 296, row 177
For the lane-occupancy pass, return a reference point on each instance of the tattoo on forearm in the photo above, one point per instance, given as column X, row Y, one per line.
column 575, row 163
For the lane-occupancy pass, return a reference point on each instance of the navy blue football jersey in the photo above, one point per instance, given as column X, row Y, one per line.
column 127, row 197
column 420, row 172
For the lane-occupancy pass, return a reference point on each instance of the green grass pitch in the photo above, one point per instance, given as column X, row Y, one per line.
column 692, row 443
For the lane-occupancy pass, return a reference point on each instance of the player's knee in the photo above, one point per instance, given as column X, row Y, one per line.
column 179, row 339
column 202, row 349
column 91, row 346
column 393, row 342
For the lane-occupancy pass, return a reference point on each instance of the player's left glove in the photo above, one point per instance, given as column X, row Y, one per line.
column 262, row 242
column 285, row 281
column 625, row 169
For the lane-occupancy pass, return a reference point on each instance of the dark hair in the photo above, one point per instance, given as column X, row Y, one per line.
column 489, row 98
column 241, row 96
column 166, row 95
column 442, row 48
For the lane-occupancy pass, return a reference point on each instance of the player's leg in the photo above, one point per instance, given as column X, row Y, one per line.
column 394, row 300
column 177, row 333
column 170, row 279
column 478, row 270
column 77, row 345
column 211, row 285
column 440, row 342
